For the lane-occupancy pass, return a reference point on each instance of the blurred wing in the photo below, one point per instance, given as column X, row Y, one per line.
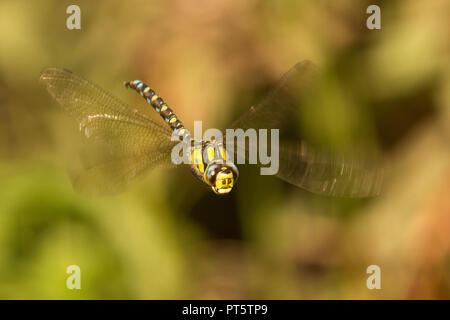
column 352, row 174
column 132, row 141
column 114, row 175
column 281, row 102
column 345, row 174
column 101, row 116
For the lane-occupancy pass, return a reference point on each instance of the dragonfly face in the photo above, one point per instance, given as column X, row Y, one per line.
column 221, row 177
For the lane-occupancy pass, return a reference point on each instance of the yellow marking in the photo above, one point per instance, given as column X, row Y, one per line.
column 222, row 151
column 173, row 120
column 211, row 152
column 154, row 97
column 147, row 89
column 163, row 108
column 181, row 132
column 197, row 159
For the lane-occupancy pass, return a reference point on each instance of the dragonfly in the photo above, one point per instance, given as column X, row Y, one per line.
column 136, row 143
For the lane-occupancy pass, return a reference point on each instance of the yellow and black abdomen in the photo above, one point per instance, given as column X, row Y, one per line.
column 208, row 158
column 160, row 107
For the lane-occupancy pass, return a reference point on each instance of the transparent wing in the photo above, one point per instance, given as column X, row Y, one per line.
column 346, row 174
column 113, row 176
column 132, row 141
column 282, row 101
column 349, row 173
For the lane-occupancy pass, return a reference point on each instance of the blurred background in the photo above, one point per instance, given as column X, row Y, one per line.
column 170, row 238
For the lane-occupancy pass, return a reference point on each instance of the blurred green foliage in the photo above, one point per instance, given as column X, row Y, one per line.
column 170, row 238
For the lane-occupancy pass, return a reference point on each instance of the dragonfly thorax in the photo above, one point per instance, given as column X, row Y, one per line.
column 210, row 165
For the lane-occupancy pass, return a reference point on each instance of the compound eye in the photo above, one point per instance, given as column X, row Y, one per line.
column 211, row 172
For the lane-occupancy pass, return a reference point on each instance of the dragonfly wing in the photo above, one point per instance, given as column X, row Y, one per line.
column 101, row 115
column 124, row 135
column 353, row 174
column 131, row 141
column 332, row 173
column 281, row 102
column 114, row 175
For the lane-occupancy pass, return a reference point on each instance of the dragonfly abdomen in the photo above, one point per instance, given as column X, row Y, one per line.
column 160, row 107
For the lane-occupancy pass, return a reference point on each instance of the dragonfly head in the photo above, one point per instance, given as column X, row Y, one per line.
column 221, row 177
